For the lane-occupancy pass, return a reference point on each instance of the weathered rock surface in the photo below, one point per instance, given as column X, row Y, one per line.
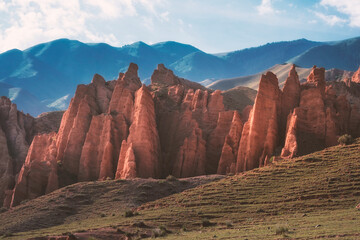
column 227, row 162
column 324, row 113
column 38, row 175
column 16, row 133
column 290, row 98
column 260, row 134
column 356, row 76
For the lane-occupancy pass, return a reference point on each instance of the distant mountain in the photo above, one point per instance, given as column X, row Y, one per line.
column 256, row 59
column 24, row 99
column 342, row 54
column 51, row 71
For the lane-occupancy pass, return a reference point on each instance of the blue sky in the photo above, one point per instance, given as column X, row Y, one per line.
column 211, row 25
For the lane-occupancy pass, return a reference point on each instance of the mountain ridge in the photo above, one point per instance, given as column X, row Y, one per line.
column 50, row 71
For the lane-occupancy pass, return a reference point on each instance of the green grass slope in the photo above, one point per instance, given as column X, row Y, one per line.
column 311, row 197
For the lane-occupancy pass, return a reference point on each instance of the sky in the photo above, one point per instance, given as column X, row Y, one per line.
column 214, row 26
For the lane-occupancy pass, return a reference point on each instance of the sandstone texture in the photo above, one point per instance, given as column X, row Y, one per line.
column 17, row 131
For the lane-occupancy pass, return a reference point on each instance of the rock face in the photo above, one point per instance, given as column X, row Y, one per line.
column 227, row 163
column 38, row 175
column 260, row 134
column 16, row 133
column 122, row 129
column 324, row 113
column 356, row 77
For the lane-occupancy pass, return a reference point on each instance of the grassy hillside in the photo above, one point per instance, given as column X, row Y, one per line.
column 311, row 197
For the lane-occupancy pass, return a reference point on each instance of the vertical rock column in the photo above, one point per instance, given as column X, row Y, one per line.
column 38, row 175
column 143, row 141
column 260, row 134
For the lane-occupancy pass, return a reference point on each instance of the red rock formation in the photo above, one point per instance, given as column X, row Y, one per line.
column 38, row 175
column 227, row 163
column 6, row 167
column 97, row 162
column 192, row 124
column 320, row 119
column 127, row 165
column 216, row 140
column 191, row 157
column 356, row 77
column 290, row 98
column 260, row 134
column 308, row 122
column 143, row 137
column 16, row 133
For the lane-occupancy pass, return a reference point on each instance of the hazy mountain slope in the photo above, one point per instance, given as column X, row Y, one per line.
column 342, row 54
column 24, row 99
column 174, row 50
column 252, row 81
column 198, row 66
column 257, row 59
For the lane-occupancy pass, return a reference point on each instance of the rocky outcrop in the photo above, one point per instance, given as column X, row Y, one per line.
column 290, row 98
column 192, row 122
column 324, row 113
column 143, row 137
column 227, row 162
column 38, row 175
column 356, row 76
column 260, row 134
column 16, row 133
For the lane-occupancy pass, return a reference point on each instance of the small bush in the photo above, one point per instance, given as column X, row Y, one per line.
column 345, row 139
column 102, row 215
column 139, row 224
column 228, row 224
column 171, row 178
column 184, row 228
column 206, row 223
column 160, row 232
column 130, row 213
column 281, row 230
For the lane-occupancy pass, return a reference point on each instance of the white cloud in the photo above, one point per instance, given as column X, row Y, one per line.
column 348, row 7
column 113, row 8
column 165, row 16
column 265, row 7
column 332, row 20
column 27, row 22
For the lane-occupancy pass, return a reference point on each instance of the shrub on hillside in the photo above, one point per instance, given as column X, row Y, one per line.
column 171, row 178
column 345, row 139
column 281, row 230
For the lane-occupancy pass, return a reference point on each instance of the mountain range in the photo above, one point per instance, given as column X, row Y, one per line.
column 44, row 77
